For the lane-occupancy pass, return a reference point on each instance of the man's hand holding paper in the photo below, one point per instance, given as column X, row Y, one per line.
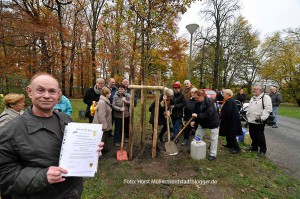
column 80, row 149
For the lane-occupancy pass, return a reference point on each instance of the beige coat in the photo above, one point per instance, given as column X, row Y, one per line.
column 9, row 114
column 103, row 114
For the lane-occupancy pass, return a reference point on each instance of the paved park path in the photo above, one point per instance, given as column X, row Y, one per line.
column 283, row 145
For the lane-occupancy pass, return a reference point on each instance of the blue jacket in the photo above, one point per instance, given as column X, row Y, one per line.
column 64, row 106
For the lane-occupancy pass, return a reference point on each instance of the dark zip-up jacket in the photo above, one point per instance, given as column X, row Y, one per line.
column 207, row 115
column 179, row 103
column 27, row 150
column 276, row 99
column 89, row 96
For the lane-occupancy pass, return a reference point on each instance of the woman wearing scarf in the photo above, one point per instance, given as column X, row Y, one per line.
column 92, row 94
column 230, row 122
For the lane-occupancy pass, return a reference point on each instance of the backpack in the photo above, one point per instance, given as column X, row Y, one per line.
column 270, row 120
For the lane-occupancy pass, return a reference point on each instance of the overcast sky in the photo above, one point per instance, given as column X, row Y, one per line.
column 265, row 16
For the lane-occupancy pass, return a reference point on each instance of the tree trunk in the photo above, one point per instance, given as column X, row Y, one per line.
column 217, row 61
column 46, row 61
column 62, row 49
column 298, row 102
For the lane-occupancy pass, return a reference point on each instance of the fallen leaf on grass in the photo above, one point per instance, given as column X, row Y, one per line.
column 242, row 190
column 198, row 186
column 242, row 175
column 209, row 169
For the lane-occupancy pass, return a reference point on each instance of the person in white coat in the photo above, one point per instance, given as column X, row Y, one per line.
column 260, row 107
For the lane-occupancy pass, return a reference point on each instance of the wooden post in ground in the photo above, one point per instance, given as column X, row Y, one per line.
column 157, row 89
column 154, row 137
column 142, row 117
column 131, row 123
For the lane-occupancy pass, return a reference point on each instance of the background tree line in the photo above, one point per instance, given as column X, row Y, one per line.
column 80, row 40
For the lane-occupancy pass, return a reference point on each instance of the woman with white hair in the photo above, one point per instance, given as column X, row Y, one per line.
column 161, row 114
column 14, row 105
column 230, row 122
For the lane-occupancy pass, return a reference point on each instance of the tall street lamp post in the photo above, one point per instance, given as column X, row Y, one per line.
column 191, row 28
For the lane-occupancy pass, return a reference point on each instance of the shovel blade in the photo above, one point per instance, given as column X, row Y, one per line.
column 171, row 148
column 122, row 155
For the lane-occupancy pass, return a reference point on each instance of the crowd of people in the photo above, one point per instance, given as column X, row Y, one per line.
column 29, row 165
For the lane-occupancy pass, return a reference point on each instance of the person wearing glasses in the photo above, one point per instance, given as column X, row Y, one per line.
column 92, row 95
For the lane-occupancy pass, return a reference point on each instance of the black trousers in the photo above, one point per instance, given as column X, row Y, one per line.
column 118, row 129
column 258, row 137
column 91, row 118
column 232, row 142
column 187, row 132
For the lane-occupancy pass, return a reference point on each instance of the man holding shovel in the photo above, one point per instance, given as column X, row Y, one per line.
column 206, row 118
column 177, row 104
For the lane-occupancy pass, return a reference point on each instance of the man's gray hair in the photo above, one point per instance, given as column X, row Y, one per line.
column 186, row 81
column 259, row 86
column 100, row 79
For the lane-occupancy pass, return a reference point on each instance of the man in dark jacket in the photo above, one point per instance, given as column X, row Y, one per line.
column 30, row 148
column 111, row 84
column 92, row 94
column 177, row 104
column 276, row 101
column 206, row 118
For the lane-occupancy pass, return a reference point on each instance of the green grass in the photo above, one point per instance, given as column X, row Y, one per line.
column 237, row 176
column 288, row 110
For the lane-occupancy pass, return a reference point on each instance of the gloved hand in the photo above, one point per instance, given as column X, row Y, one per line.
column 258, row 120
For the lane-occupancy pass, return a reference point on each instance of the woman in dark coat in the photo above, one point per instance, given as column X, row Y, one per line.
column 230, row 122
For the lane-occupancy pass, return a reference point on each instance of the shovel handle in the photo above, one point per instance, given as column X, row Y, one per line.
column 183, row 128
column 123, row 122
column 168, row 124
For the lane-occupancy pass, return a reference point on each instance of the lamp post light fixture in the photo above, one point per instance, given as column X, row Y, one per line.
column 191, row 28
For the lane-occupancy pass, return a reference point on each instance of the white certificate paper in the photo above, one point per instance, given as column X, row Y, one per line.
column 79, row 153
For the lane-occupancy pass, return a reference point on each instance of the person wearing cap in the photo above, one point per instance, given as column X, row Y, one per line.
column 14, row 105
column 177, row 104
